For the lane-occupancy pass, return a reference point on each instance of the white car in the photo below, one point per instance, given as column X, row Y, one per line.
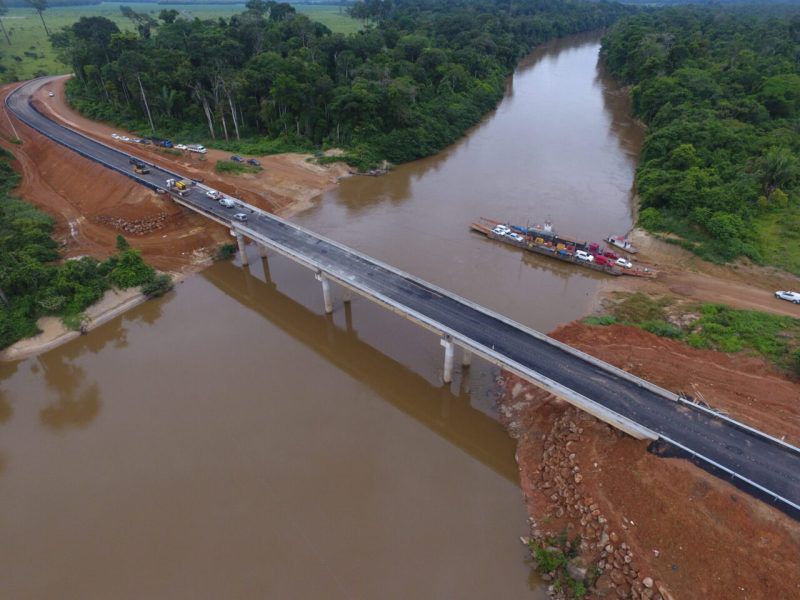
column 501, row 230
column 788, row 296
column 124, row 138
column 516, row 237
column 214, row 194
column 116, row 136
column 181, row 147
column 226, row 203
column 624, row 263
column 51, row 94
column 240, row 217
column 584, row 256
column 196, row 148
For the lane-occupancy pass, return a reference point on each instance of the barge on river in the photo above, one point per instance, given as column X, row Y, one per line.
column 541, row 239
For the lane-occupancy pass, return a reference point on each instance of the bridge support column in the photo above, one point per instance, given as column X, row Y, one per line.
column 242, row 249
column 466, row 358
column 447, row 374
column 326, row 292
column 347, row 295
column 262, row 250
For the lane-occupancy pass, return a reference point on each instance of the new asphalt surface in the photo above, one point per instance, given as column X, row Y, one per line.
column 756, row 459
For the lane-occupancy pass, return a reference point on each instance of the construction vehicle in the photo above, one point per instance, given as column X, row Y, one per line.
column 179, row 186
column 139, row 167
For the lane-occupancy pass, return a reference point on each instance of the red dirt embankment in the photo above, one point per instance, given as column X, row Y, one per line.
column 649, row 521
column 92, row 205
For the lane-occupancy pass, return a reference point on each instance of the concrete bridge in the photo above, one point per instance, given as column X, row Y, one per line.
column 763, row 465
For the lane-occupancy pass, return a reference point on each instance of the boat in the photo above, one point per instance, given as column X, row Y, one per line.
column 542, row 239
column 622, row 243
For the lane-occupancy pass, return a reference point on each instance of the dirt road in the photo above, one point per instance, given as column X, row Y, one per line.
column 682, row 274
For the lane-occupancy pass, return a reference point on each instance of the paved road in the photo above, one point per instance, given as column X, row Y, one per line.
column 771, row 466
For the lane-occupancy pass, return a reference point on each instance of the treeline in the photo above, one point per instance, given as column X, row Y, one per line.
column 33, row 284
column 412, row 81
column 720, row 92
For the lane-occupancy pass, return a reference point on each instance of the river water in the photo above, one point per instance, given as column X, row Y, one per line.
column 230, row 440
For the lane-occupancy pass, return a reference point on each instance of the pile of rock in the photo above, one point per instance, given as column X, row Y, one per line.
column 560, row 481
column 137, row 226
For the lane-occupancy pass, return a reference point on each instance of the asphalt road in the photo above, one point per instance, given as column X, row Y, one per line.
column 750, row 455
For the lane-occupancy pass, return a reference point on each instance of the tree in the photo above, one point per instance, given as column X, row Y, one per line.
column 168, row 16
column 3, row 11
column 40, row 6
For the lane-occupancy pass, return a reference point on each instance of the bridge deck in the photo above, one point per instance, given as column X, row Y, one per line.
column 760, row 463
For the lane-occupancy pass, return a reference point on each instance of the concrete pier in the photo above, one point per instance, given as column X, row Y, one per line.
column 447, row 342
column 466, row 358
column 262, row 250
column 242, row 248
column 326, row 292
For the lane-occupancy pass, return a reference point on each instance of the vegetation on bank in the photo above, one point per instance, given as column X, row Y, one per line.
column 235, row 168
column 552, row 556
column 411, row 82
column 34, row 284
column 711, row 326
column 28, row 53
column 720, row 92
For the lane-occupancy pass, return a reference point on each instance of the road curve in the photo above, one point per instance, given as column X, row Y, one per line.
column 753, row 461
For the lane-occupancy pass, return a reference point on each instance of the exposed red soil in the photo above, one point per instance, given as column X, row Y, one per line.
column 680, row 273
column 92, row 205
column 692, row 534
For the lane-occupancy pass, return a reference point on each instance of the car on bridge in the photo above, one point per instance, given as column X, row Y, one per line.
column 793, row 297
column 240, row 217
column 214, row 194
column 226, row 203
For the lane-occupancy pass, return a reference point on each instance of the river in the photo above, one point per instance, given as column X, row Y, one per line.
column 230, row 440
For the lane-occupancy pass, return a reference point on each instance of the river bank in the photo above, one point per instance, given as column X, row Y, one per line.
column 650, row 527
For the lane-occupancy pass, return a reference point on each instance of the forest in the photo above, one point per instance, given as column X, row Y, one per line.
column 720, row 92
column 33, row 284
column 410, row 82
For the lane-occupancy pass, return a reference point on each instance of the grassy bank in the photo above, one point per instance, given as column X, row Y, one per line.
column 712, row 326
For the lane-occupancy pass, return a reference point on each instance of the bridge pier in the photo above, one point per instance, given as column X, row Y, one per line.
column 262, row 250
column 242, row 248
column 466, row 358
column 347, row 295
column 326, row 292
column 447, row 374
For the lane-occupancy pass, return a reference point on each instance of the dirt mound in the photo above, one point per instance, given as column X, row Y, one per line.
column 651, row 526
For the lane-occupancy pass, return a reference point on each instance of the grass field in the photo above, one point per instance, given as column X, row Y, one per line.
column 30, row 53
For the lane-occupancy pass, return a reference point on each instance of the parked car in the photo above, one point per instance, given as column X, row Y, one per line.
column 116, row 136
column 501, row 230
column 624, row 263
column 200, row 149
column 214, row 194
column 516, row 237
column 253, row 162
column 136, row 140
column 237, row 158
column 227, row 203
column 788, row 296
column 240, row 217
column 124, row 138
column 51, row 94
column 181, row 147
column 584, row 256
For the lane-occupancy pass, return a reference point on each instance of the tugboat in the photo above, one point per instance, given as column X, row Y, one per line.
column 622, row 243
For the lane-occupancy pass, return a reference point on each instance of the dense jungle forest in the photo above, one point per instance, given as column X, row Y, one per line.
column 720, row 92
column 418, row 74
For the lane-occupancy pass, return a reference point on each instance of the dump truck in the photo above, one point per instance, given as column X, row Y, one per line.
column 179, row 186
column 139, row 167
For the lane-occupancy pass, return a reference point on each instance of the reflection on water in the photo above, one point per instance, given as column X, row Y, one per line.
column 232, row 440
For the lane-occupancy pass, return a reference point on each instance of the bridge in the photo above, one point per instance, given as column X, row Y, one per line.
column 761, row 464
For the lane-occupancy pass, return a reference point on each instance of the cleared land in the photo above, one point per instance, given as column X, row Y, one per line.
column 30, row 53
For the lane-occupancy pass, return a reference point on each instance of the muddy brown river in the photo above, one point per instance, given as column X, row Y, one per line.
column 232, row 441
